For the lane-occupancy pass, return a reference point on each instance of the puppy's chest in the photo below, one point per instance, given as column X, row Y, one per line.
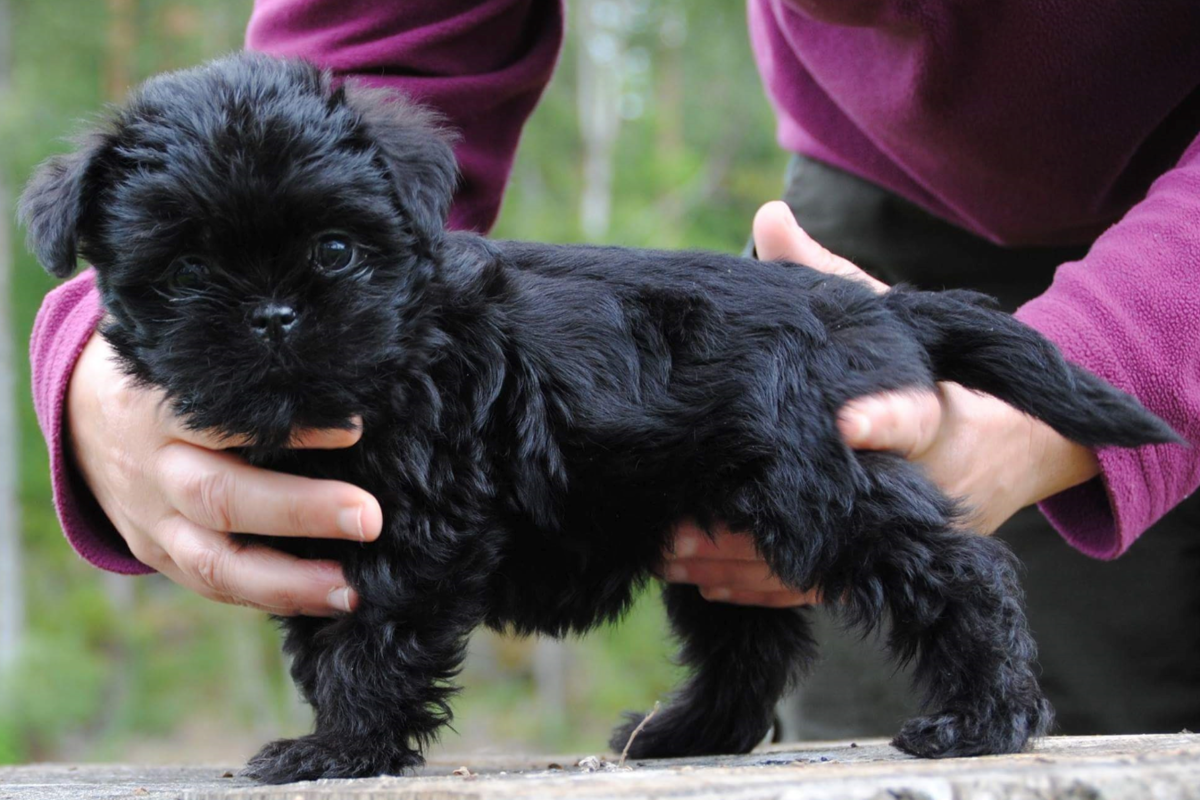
column 418, row 481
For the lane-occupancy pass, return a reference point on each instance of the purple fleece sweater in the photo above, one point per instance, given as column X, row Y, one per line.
column 1042, row 123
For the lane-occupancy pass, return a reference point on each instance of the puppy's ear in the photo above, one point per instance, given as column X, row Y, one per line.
column 55, row 204
column 415, row 150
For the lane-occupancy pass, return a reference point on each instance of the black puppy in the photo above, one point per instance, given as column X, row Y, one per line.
column 271, row 250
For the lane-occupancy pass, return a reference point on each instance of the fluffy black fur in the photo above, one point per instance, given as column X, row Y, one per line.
column 536, row 417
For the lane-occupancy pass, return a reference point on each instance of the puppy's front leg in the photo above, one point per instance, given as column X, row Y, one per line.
column 378, row 681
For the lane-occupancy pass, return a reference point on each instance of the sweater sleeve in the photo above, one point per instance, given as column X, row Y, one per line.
column 482, row 63
column 63, row 325
column 1130, row 312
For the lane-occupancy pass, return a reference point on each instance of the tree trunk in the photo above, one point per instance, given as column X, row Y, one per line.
column 122, row 39
column 551, row 667
column 119, row 589
column 12, row 605
column 603, row 29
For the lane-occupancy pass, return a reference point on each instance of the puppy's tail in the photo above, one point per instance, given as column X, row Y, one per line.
column 971, row 343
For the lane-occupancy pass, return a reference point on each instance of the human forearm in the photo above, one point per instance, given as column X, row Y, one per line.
column 63, row 326
column 1129, row 313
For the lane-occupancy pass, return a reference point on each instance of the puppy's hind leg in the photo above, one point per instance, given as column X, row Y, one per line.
column 742, row 659
column 955, row 606
column 974, row 658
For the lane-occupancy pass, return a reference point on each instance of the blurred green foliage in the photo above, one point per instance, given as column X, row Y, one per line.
column 122, row 668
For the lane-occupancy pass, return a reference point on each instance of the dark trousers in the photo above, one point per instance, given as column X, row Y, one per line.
column 1119, row 641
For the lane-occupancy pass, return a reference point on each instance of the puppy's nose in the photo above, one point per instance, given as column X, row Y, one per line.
column 273, row 321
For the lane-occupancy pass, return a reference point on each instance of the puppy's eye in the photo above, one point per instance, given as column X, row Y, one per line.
column 187, row 273
column 332, row 253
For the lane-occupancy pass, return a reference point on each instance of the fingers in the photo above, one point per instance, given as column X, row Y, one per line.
column 728, row 568
column 785, row 599
column 741, row 582
column 748, row 575
column 327, row 438
column 305, row 439
column 777, row 236
column 905, row 422
column 211, row 564
column 691, row 541
column 221, row 492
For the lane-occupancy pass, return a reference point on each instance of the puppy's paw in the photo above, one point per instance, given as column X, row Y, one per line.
column 675, row 733
column 314, row 756
column 951, row 734
column 644, row 746
column 935, row 736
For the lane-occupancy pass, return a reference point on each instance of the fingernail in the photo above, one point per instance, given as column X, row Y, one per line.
column 342, row 599
column 676, row 574
column 685, row 546
column 855, row 426
column 349, row 522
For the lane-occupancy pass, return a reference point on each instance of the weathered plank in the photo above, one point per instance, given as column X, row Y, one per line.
column 1071, row 768
column 104, row 781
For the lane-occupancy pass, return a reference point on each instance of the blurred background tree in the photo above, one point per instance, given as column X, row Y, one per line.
column 653, row 133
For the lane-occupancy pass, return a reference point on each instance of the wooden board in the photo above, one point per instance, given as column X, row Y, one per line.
column 1071, row 768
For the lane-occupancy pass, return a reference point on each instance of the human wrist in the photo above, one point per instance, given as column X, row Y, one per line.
column 79, row 407
column 1061, row 464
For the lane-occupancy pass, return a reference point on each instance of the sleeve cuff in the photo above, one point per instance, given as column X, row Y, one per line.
column 1103, row 517
column 64, row 325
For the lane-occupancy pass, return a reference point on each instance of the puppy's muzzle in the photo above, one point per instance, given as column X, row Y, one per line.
column 273, row 321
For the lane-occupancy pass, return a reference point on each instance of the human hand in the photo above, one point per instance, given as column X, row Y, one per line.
column 174, row 496
column 944, row 431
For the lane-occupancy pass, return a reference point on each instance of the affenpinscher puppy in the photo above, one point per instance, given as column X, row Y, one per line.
column 271, row 250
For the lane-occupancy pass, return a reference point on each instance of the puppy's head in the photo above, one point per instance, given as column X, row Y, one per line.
column 260, row 238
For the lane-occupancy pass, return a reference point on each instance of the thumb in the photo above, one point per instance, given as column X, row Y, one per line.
column 904, row 422
column 778, row 237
